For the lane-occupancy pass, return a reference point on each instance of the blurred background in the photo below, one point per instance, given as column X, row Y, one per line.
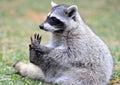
column 20, row 19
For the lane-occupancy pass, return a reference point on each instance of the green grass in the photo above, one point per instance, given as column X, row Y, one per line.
column 19, row 19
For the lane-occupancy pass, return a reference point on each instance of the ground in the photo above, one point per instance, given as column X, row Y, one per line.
column 20, row 19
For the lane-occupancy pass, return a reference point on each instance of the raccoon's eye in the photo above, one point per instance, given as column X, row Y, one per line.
column 55, row 20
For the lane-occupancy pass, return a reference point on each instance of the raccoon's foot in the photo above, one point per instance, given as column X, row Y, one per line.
column 28, row 70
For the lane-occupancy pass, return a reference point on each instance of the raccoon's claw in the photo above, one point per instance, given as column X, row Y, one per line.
column 37, row 37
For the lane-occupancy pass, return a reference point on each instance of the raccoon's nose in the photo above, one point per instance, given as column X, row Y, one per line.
column 41, row 26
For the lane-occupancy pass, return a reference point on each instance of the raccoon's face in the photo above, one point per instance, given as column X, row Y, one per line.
column 59, row 17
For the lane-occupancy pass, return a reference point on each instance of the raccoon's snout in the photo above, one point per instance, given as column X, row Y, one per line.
column 41, row 26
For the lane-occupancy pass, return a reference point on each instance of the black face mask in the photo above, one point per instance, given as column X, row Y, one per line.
column 53, row 21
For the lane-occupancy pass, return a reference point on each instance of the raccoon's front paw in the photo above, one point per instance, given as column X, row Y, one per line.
column 35, row 42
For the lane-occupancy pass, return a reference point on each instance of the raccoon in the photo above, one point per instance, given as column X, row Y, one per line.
column 75, row 55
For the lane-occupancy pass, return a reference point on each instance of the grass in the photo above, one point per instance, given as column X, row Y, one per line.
column 20, row 19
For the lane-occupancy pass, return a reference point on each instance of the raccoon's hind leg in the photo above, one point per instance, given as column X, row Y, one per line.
column 29, row 70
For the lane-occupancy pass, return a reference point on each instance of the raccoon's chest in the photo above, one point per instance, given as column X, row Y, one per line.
column 55, row 44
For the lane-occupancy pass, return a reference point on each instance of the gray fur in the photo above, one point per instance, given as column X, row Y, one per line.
column 75, row 56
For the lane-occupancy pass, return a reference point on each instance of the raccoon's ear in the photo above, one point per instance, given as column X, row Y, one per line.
column 71, row 11
column 53, row 4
